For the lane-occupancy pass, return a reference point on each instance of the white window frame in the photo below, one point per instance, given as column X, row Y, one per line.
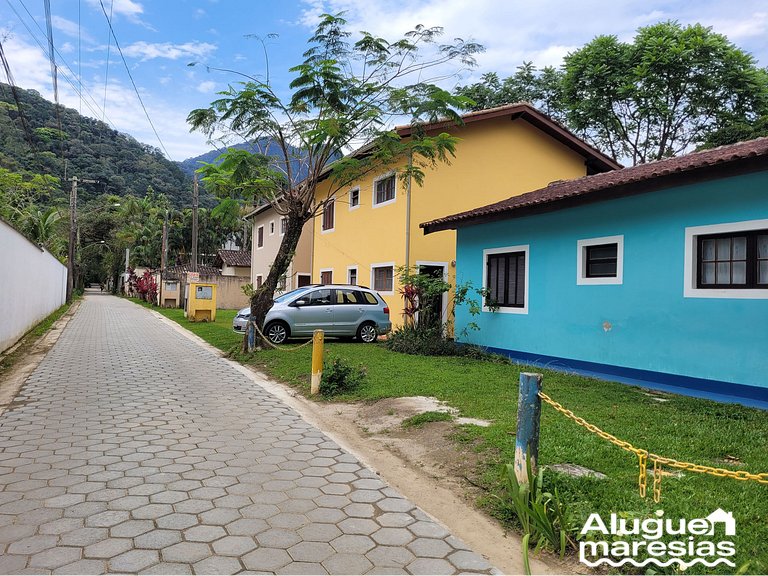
column 271, row 227
column 283, row 224
column 359, row 199
column 259, row 281
column 357, row 273
column 320, row 280
column 581, row 261
column 373, row 284
column 322, row 218
column 309, row 277
column 692, row 234
column 373, row 189
column 525, row 248
column 262, row 237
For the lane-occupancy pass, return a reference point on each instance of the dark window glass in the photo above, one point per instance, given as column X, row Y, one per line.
column 383, row 279
column 328, row 215
column 353, row 276
column 326, row 277
column 385, row 189
column 260, row 236
column 344, row 296
column 370, row 298
column 506, row 279
column 319, row 297
column 354, row 198
column 601, row 260
column 735, row 260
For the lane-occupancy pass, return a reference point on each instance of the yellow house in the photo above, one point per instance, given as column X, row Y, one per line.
column 372, row 227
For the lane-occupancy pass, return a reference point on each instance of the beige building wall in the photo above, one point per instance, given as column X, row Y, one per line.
column 262, row 256
column 235, row 270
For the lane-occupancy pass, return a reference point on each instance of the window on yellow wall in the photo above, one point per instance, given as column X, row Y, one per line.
column 329, row 215
column 384, row 190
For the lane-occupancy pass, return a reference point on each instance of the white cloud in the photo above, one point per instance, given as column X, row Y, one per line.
column 149, row 51
column 71, row 29
column 206, row 87
column 128, row 8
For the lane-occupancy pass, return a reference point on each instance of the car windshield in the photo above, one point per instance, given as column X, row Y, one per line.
column 288, row 295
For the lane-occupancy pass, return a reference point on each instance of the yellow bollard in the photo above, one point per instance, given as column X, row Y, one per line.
column 317, row 361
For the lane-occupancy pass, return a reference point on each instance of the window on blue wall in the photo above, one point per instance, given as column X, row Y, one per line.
column 505, row 277
column 601, row 261
column 733, row 260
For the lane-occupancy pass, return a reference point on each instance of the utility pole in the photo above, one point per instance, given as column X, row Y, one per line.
column 194, row 225
column 73, row 236
column 163, row 255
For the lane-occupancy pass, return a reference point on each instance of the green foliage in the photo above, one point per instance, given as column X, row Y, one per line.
column 542, row 516
column 671, row 88
column 432, row 342
column 420, row 419
column 340, row 377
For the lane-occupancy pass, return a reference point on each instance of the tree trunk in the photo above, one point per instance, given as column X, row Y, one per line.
column 263, row 298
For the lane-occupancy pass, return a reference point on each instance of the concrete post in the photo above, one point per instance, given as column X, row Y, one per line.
column 528, row 417
column 318, row 340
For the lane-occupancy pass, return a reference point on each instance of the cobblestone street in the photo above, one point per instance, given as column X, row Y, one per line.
column 132, row 449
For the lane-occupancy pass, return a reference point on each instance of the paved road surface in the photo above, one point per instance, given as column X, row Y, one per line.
column 133, row 449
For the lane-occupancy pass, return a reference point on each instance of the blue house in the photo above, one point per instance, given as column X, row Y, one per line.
column 655, row 274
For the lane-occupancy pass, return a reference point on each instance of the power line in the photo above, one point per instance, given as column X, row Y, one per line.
column 109, row 47
column 52, row 58
column 15, row 92
column 94, row 111
column 128, row 70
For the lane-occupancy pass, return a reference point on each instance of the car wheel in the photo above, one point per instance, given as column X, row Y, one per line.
column 367, row 332
column 276, row 332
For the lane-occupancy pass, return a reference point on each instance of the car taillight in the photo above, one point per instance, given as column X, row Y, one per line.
column 386, row 310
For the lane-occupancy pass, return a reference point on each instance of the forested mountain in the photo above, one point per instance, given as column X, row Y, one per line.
column 31, row 141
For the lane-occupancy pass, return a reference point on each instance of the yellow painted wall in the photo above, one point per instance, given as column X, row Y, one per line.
column 495, row 159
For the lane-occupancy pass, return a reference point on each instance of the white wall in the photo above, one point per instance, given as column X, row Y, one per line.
column 32, row 285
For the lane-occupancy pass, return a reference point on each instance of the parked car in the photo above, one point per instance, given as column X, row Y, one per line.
column 337, row 309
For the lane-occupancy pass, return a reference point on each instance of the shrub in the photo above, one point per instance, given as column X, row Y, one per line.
column 432, row 342
column 340, row 377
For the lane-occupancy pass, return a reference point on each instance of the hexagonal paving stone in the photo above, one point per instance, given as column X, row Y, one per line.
column 129, row 502
column 319, row 532
column 358, row 526
column 83, row 567
column 83, row 536
column 170, row 568
column 352, row 544
column 430, row 566
column 311, row 551
column 288, row 521
column 186, row 552
column 193, row 506
column 396, row 556
column 263, row 511
column 131, row 528
column 360, row 510
column 466, row 560
column 204, row 533
column 218, row 565
column 392, row 536
column 107, row 519
column 266, row 559
column 134, row 560
column 325, row 515
column 395, row 505
column 176, row 521
column 32, row 544
column 219, row 516
column 61, row 526
column 430, row 548
column 234, row 545
column 108, row 548
column 54, row 557
column 157, row 539
column 347, row 564
column 168, row 497
column 428, row 529
column 12, row 564
column 277, row 538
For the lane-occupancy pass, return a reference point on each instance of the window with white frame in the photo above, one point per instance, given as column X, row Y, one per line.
column 600, row 260
column 505, row 277
column 329, row 220
column 271, row 227
column 354, row 198
column 259, row 281
column 727, row 260
column 326, row 276
column 260, row 237
column 384, row 190
column 383, row 277
column 283, row 224
column 352, row 275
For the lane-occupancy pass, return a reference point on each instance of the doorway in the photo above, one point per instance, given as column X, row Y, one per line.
column 432, row 311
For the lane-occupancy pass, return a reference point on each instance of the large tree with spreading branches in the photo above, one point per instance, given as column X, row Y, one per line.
column 345, row 96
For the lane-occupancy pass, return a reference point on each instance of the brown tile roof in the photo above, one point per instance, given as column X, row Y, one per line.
column 181, row 269
column 235, row 257
column 717, row 162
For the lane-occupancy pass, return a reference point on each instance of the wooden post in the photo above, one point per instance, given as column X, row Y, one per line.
column 528, row 416
column 317, row 361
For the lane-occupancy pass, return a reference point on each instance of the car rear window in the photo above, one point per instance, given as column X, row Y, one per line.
column 345, row 296
column 370, row 298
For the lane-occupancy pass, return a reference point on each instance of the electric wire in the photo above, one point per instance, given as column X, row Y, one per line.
column 135, row 88
column 52, row 58
column 109, row 50
column 15, row 93
column 93, row 105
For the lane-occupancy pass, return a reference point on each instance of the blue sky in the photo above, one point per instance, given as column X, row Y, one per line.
column 159, row 38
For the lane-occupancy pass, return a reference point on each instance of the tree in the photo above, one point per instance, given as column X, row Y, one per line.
column 663, row 93
column 343, row 94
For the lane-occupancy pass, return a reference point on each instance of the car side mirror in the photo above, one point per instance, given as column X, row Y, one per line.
column 299, row 303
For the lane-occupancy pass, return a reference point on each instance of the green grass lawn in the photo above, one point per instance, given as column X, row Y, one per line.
column 701, row 431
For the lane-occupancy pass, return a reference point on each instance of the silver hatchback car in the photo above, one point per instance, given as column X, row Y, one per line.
column 337, row 309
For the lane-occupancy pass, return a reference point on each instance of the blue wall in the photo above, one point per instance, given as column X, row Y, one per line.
column 653, row 327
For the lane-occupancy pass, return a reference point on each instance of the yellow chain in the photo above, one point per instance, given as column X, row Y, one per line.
column 643, row 457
